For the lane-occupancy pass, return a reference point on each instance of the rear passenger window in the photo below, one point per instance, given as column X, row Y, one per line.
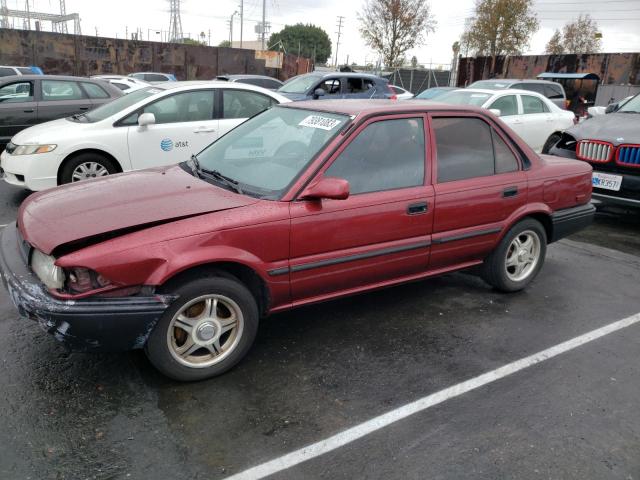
column 94, row 91
column 508, row 105
column 533, row 87
column 355, row 85
column 154, row 77
column 469, row 148
column 272, row 84
column 54, row 90
column 6, row 72
column 243, row 104
column 553, row 91
column 386, row 155
column 25, row 71
column 533, row 105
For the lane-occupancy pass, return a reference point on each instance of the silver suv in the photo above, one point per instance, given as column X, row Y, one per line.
column 552, row 90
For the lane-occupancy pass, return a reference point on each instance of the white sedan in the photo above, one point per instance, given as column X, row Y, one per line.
column 157, row 125
column 534, row 117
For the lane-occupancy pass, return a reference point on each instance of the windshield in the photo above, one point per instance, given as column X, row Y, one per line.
column 267, row 152
column 119, row 104
column 462, row 97
column 299, row 84
column 632, row 106
column 490, row 84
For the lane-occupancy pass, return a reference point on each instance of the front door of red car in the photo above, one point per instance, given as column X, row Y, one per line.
column 383, row 230
column 478, row 184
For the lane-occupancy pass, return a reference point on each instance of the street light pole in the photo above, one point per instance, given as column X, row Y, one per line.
column 241, row 20
column 231, row 28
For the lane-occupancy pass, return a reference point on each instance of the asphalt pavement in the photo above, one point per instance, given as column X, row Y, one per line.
column 317, row 371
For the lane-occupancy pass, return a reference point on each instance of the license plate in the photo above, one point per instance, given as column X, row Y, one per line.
column 606, row 181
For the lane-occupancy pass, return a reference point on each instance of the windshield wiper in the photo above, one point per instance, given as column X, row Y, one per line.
column 216, row 175
column 627, row 111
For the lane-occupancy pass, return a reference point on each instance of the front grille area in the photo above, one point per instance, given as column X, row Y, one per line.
column 628, row 155
column 594, row 151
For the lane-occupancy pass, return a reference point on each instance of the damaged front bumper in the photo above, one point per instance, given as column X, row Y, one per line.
column 91, row 324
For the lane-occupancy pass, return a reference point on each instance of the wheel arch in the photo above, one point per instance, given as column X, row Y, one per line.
column 539, row 213
column 97, row 151
column 236, row 270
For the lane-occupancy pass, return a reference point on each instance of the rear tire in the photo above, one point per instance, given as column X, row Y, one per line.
column 518, row 258
column 85, row 166
column 551, row 142
column 206, row 331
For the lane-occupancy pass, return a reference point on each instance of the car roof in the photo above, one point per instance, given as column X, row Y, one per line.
column 205, row 83
column 242, row 75
column 514, row 80
column 155, row 73
column 357, row 107
column 51, row 77
column 342, row 74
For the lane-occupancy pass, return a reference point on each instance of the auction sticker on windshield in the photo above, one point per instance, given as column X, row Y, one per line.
column 317, row 121
column 606, row 181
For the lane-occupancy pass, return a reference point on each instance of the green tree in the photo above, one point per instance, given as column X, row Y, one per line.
column 580, row 36
column 311, row 41
column 191, row 41
column 225, row 43
column 500, row 27
column 392, row 27
column 554, row 46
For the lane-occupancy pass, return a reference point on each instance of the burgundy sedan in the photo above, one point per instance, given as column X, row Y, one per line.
column 303, row 203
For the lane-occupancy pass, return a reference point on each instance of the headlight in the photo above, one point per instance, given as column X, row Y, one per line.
column 47, row 271
column 32, row 149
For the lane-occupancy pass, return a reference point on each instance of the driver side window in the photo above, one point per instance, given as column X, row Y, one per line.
column 331, row 86
column 386, row 155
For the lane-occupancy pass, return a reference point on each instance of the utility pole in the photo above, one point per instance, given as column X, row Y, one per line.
column 241, row 20
column 231, row 28
column 339, row 32
column 264, row 19
column 28, row 15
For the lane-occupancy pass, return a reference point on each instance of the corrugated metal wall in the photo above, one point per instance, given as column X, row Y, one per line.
column 84, row 55
column 612, row 68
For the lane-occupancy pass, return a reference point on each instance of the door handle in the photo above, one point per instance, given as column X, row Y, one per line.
column 417, row 208
column 204, row 130
column 31, row 110
column 84, row 108
column 510, row 192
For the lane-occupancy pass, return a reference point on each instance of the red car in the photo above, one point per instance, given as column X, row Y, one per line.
column 303, row 203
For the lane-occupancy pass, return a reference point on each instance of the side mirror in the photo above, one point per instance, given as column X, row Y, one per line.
column 611, row 108
column 318, row 92
column 595, row 111
column 327, row 187
column 146, row 119
column 495, row 111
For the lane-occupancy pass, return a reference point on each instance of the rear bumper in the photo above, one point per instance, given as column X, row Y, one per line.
column 98, row 324
column 571, row 220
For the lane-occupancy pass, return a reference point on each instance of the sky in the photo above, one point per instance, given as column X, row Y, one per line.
column 619, row 21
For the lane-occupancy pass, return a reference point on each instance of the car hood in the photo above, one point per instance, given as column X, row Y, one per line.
column 119, row 203
column 616, row 128
column 49, row 132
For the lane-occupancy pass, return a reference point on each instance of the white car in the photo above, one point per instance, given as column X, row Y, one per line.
column 534, row 117
column 401, row 93
column 158, row 125
column 124, row 83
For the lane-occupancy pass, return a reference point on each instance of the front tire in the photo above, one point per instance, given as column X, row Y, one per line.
column 206, row 331
column 518, row 257
column 86, row 166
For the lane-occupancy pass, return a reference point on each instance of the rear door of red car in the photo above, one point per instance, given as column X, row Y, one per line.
column 383, row 230
column 479, row 183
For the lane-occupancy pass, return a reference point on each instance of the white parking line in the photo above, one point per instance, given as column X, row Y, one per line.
column 347, row 436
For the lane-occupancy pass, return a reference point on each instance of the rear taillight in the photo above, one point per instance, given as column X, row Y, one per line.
column 566, row 104
column 392, row 93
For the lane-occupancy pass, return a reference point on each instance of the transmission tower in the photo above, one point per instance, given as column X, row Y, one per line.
column 175, row 23
column 4, row 14
column 61, row 27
